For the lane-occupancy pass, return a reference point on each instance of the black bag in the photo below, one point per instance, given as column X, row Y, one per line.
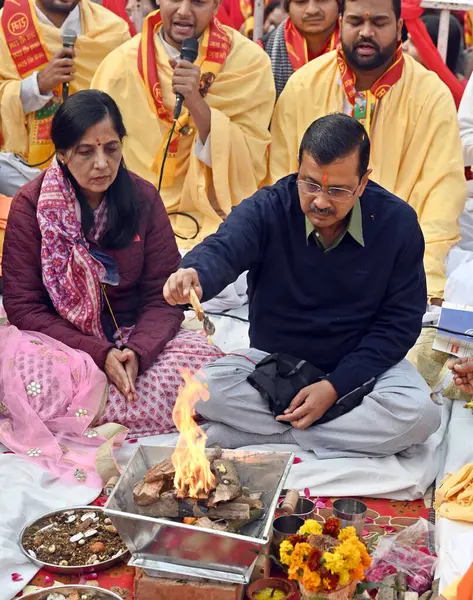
column 280, row 377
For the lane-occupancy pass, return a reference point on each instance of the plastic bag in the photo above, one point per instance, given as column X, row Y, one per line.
column 406, row 552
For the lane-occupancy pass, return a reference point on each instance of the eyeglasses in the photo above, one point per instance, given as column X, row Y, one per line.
column 337, row 194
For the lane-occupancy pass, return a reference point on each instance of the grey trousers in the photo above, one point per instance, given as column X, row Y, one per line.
column 397, row 415
column 14, row 174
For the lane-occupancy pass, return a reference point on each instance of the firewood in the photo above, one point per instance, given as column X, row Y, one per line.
column 165, row 469
column 147, row 493
column 225, row 472
column 169, row 506
column 228, row 482
column 252, row 501
column 206, row 523
column 236, row 525
column 161, row 471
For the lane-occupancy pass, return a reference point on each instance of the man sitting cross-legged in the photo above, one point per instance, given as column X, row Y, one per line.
column 336, row 278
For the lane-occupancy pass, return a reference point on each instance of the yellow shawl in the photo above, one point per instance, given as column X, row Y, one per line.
column 416, row 149
column 241, row 100
column 102, row 32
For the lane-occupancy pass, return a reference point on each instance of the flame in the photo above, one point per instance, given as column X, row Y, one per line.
column 193, row 475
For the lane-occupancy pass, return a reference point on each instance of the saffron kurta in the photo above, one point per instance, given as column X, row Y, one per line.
column 241, row 99
column 416, row 149
column 102, row 32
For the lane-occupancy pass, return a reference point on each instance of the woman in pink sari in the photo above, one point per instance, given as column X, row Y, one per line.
column 91, row 350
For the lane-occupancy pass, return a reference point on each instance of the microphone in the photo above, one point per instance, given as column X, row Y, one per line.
column 189, row 52
column 69, row 38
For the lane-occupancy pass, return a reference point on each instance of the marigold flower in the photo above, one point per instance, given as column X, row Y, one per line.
column 310, row 527
column 347, row 533
column 344, row 578
column 311, row 581
column 314, row 558
column 300, row 554
column 349, row 550
column 332, row 527
column 358, row 574
column 330, row 581
column 285, row 552
column 333, row 562
column 297, row 539
column 296, row 572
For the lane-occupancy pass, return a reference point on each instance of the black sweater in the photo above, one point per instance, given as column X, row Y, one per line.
column 354, row 311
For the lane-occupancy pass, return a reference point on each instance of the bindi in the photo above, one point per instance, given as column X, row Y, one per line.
column 325, row 179
column 98, row 142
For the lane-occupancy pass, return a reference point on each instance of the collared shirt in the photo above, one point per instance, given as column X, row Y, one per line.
column 354, row 228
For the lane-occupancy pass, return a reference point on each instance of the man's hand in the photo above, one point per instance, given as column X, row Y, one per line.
column 115, row 371
column 186, row 81
column 463, row 373
column 310, row 405
column 59, row 70
column 177, row 287
column 132, row 366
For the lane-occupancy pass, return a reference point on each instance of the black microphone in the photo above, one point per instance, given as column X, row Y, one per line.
column 189, row 52
column 69, row 38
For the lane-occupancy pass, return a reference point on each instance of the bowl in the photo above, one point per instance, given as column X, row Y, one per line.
column 271, row 582
column 99, row 593
column 70, row 569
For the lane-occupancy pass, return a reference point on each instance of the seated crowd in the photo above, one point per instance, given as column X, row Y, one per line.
column 325, row 162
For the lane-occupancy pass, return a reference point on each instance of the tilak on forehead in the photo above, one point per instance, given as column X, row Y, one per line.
column 325, row 179
column 97, row 141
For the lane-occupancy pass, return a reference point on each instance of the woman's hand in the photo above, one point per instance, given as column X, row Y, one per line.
column 116, row 372
column 132, row 366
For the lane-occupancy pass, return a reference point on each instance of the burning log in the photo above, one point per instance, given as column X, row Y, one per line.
column 168, row 505
column 228, row 482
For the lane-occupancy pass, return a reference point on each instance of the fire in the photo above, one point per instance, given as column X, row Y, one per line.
column 193, row 475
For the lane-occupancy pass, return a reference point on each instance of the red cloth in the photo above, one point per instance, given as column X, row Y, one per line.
column 119, row 8
column 230, row 14
column 411, row 13
column 144, row 267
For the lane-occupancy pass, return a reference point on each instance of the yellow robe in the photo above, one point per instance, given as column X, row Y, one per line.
column 241, row 100
column 102, row 32
column 416, row 149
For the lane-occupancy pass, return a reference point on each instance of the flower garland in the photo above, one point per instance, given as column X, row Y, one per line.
column 324, row 558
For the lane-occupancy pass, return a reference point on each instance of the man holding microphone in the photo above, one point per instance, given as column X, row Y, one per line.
column 48, row 49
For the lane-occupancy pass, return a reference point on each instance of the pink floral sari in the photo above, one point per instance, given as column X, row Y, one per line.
column 56, row 406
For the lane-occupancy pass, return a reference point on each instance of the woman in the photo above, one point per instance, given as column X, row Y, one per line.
column 87, row 251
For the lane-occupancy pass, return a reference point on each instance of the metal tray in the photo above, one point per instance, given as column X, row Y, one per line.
column 69, row 570
column 168, row 548
column 100, row 593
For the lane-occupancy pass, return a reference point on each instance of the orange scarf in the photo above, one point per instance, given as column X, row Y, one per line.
column 296, row 45
column 365, row 104
column 29, row 53
column 214, row 49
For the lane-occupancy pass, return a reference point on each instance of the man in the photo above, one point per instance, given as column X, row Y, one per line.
column 407, row 111
column 336, row 278
column 218, row 152
column 310, row 31
column 34, row 68
column 462, row 369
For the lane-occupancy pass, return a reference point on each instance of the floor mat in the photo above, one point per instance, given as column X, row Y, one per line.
column 384, row 517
